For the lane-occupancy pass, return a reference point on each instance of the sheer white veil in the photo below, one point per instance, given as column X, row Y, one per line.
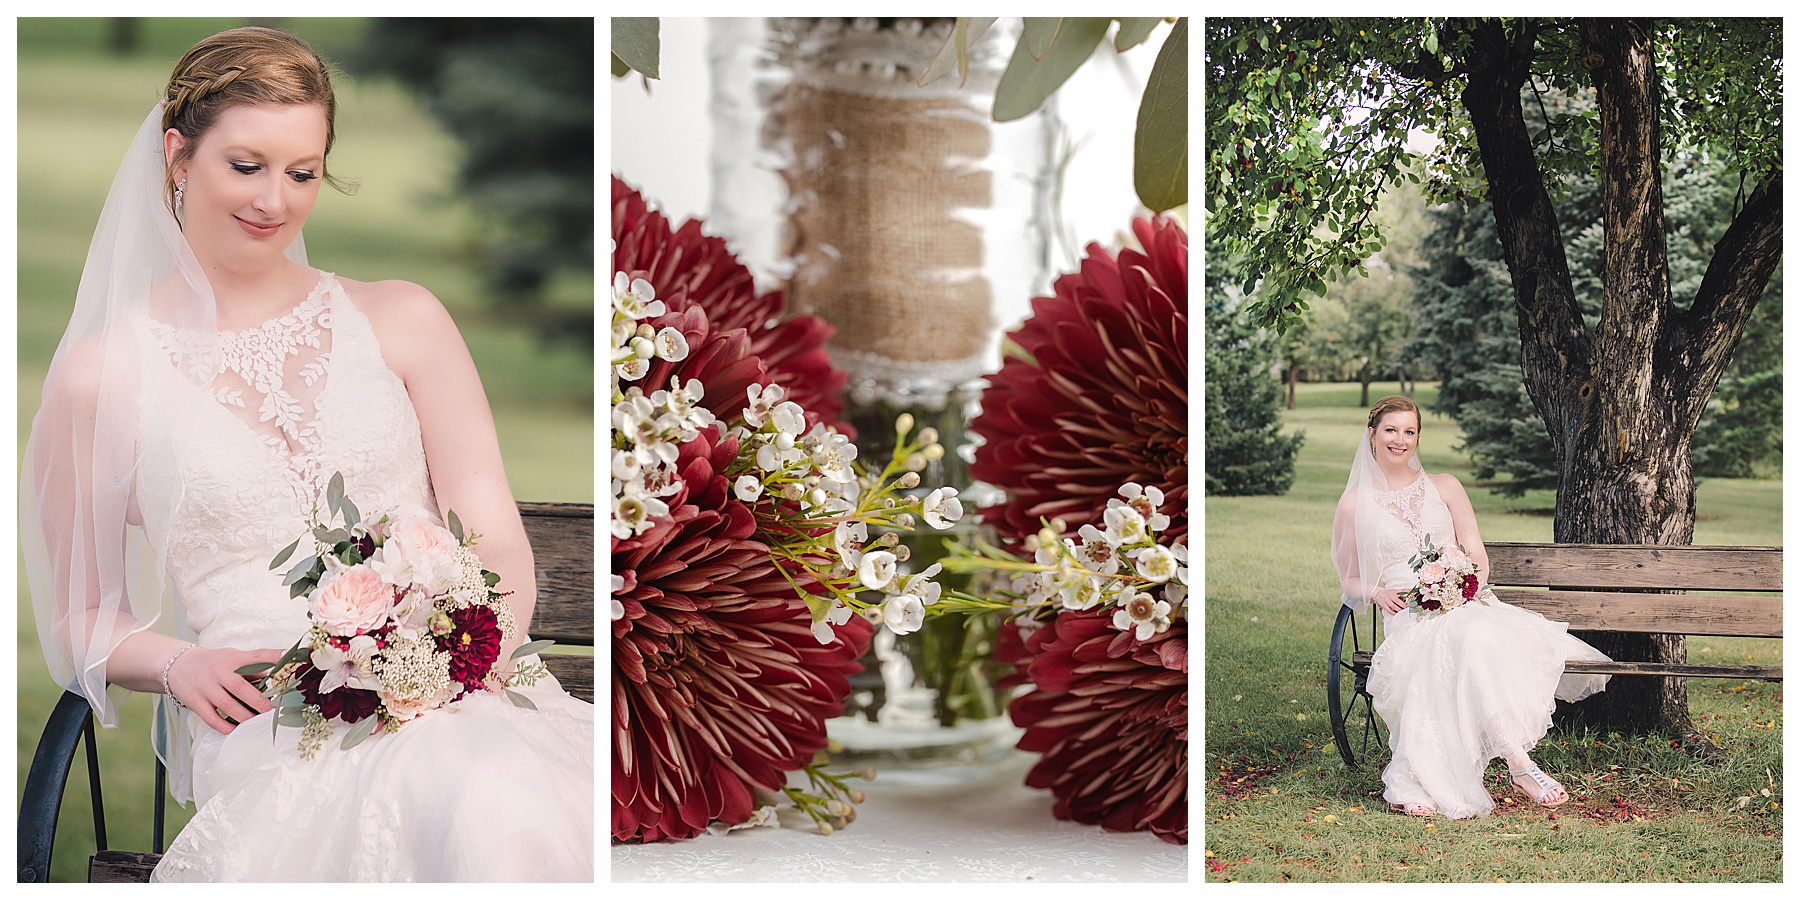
column 96, row 577
column 1354, row 536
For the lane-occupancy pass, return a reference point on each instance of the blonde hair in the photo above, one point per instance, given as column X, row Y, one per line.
column 251, row 65
column 1393, row 404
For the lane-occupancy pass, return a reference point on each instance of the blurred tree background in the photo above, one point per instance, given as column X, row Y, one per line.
column 84, row 85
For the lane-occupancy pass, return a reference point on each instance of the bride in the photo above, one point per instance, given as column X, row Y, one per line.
column 1460, row 688
column 208, row 386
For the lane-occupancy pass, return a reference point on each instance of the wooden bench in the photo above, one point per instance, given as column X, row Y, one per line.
column 1593, row 587
column 562, row 542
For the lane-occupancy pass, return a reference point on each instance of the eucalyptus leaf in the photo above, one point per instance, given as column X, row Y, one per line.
column 619, row 68
column 301, row 569
column 296, row 653
column 334, row 492
column 520, row 700
column 492, row 578
column 955, row 51
column 360, row 733
column 292, row 699
column 254, row 669
column 637, row 42
column 531, row 648
column 1160, row 148
column 455, row 525
column 286, row 552
column 1039, row 33
column 351, row 514
column 298, row 588
column 1028, row 81
column 293, row 717
column 1134, row 31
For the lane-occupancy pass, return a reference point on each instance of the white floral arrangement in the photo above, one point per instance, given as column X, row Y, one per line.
column 402, row 620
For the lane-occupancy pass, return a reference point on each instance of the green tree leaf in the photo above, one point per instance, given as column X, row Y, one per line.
column 956, row 50
column 637, row 42
column 1027, row 81
column 1160, row 150
column 1133, row 32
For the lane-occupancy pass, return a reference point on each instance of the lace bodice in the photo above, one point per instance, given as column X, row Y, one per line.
column 230, row 482
column 1413, row 513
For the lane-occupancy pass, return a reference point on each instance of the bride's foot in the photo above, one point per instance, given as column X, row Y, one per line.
column 1542, row 789
column 1415, row 809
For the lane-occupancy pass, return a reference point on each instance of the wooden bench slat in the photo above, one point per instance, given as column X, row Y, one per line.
column 1730, row 615
column 1699, row 568
column 562, row 544
column 121, row 867
column 575, row 673
column 1765, row 673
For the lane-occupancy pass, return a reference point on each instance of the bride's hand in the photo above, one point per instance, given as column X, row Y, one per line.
column 1389, row 599
column 206, row 679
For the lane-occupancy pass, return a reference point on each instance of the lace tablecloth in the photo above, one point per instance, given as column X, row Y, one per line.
column 991, row 828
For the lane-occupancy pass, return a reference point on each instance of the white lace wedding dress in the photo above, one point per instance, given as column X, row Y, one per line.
column 1461, row 688
column 480, row 790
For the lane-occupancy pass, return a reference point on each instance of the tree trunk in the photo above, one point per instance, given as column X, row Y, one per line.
column 1365, row 386
column 1293, row 373
column 1621, row 404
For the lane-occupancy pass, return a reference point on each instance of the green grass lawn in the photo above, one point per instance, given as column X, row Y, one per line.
column 77, row 108
column 1282, row 806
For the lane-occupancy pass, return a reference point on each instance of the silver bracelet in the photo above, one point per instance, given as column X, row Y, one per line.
column 165, row 677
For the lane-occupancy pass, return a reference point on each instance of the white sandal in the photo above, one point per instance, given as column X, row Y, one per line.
column 1546, row 785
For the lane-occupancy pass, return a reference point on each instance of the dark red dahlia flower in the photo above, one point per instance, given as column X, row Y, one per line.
column 690, row 269
column 718, row 685
column 1469, row 587
column 1102, row 399
column 346, row 704
column 1110, row 717
column 473, row 643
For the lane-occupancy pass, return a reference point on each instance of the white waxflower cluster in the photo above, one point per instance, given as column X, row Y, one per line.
column 811, row 467
column 647, row 436
column 635, row 344
column 1121, row 566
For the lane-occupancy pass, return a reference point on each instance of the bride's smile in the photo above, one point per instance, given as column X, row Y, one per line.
column 250, row 182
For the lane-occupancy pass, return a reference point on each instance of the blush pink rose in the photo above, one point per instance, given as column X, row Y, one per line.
column 354, row 602
column 422, row 553
column 1432, row 573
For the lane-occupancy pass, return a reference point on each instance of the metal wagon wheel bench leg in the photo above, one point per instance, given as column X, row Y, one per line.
column 1354, row 725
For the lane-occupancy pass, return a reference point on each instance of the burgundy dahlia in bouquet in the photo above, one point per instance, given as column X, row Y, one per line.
column 1085, row 431
column 740, row 538
column 1448, row 578
column 402, row 620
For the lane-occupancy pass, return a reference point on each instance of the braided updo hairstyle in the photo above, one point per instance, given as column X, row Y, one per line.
column 1395, row 403
column 252, row 65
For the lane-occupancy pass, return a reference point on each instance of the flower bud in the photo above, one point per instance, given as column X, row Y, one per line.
column 1060, row 525
column 903, row 553
column 837, row 807
column 856, row 796
column 646, row 330
column 904, row 520
column 933, row 451
column 915, row 462
column 643, row 347
column 825, row 828
column 903, row 424
column 784, row 440
column 1046, row 537
column 888, row 503
column 908, row 480
column 793, row 491
column 887, row 540
column 928, row 435
column 866, row 774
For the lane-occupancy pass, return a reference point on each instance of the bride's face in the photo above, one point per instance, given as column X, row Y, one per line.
column 250, row 182
column 1396, row 437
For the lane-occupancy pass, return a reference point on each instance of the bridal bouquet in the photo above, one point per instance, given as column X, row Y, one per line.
column 402, row 620
column 1447, row 579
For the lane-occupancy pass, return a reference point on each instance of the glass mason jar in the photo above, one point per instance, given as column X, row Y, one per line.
column 913, row 224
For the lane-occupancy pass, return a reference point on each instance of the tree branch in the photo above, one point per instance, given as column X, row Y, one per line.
column 1703, row 339
column 1556, row 348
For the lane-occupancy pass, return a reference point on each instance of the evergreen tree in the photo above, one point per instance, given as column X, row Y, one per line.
column 518, row 95
column 1246, row 452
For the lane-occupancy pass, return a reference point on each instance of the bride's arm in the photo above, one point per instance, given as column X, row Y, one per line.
column 1462, row 514
column 421, row 344
column 76, row 515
